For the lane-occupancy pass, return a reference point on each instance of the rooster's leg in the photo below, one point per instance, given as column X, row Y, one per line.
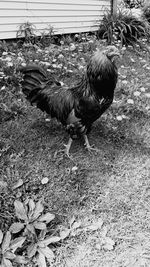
column 66, row 150
column 88, row 146
column 67, row 147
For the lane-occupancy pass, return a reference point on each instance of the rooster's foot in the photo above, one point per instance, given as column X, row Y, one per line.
column 88, row 146
column 66, row 150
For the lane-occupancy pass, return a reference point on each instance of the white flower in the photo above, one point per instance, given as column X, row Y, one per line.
column 47, row 63
column 8, row 59
column 9, row 64
column 23, row 64
column 124, row 82
column 142, row 89
column 147, row 95
column 4, row 53
column 130, row 101
column 119, row 118
column 60, row 56
column 137, row 93
column 75, row 168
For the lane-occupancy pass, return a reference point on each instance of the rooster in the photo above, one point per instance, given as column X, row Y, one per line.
column 79, row 106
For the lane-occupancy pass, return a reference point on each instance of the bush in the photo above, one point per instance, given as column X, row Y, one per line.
column 134, row 3
column 123, row 27
column 146, row 12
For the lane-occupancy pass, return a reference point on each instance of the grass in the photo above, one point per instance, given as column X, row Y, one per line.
column 112, row 185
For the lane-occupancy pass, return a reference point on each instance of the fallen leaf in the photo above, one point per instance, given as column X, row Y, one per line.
column 95, row 226
column 119, row 118
column 65, row 233
column 147, row 95
column 130, row 101
column 18, row 184
column 142, row 89
column 44, row 180
column 137, row 93
column 76, row 225
column 74, row 169
column 108, row 244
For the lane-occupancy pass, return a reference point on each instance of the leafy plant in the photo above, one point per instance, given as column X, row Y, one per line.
column 146, row 12
column 30, row 215
column 32, row 228
column 27, row 31
column 8, row 246
column 123, row 27
column 47, row 35
column 134, row 3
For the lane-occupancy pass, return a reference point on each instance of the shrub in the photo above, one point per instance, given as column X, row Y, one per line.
column 123, row 27
column 146, row 12
column 134, row 3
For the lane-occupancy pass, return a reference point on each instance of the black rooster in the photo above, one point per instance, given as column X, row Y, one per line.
column 77, row 107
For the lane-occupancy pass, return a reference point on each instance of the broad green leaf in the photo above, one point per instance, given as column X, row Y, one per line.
column 20, row 259
column 41, row 260
column 31, row 207
column 17, row 243
column 49, row 240
column 31, row 250
column 38, row 210
column 30, row 228
column 9, row 255
column 20, row 210
column 48, row 253
column 46, row 217
column 39, row 225
column 6, row 241
column 65, row 233
column 42, row 234
column 7, row 263
column 1, row 236
column 16, row 227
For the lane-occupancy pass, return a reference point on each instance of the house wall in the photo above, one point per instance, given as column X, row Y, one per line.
column 65, row 16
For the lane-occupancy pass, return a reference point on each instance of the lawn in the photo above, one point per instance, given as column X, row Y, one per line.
column 102, row 198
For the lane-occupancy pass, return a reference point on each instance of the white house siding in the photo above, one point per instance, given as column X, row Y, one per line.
column 65, row 16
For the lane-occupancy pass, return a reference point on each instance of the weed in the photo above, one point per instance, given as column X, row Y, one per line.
column 27, row 31
column 146, row 12
column 123, row 27
column 32, row 240
column 134, row 3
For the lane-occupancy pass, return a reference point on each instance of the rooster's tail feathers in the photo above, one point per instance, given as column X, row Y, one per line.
column 34, row 80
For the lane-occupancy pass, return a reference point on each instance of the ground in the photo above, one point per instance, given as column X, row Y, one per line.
column 110, row 189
